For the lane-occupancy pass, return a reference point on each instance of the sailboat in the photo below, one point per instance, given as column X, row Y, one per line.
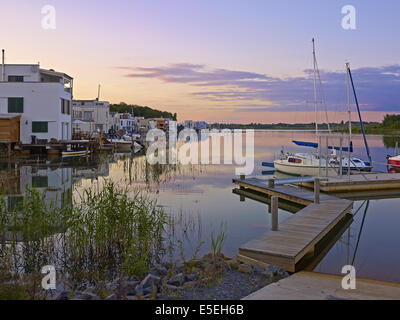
column 312, row 164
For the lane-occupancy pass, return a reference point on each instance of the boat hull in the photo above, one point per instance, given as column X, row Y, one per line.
column 78, row 153
column 303, row 170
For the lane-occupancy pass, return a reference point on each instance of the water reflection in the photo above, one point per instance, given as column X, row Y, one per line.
column 200, row 197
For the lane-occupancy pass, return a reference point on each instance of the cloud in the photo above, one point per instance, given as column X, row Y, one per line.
column 378, row 88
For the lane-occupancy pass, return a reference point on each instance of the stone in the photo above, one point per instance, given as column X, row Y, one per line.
column 190, row 284
column 245, row 268
column 131, row 287
column 150, row 281
column 139, row 289
column 112, row 297
column 63, row 295
column 192, row 277
column 133, row 278
column 258, row 269
column 88, row 296
column 177, row 280
column 233, row 264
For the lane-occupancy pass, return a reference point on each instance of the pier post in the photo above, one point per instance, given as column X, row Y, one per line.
column 271, row 183
column 242, row 178
column 274, row 216
column 397, row 148
column 317, row 186
column 341, row 158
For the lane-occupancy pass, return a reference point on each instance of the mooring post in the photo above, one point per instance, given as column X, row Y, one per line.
column 274, row 216
column 242, row 178
column 271, row 183
column 397, row 148
column 317, row 185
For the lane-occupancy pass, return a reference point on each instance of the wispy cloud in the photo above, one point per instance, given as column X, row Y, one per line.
column 378, row 88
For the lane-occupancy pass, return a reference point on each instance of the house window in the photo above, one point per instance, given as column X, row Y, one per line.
column 40, row 127
column 40, row 181
column 15, row 105
column 87, row 116
column 15, row 78
column 65, row 106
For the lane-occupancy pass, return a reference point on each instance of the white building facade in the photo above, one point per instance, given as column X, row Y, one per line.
column 41, row 97
column 91, row 116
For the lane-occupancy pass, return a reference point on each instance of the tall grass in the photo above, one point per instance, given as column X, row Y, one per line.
column 103, row 234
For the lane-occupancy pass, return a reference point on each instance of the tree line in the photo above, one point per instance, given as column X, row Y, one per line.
column 141, row 111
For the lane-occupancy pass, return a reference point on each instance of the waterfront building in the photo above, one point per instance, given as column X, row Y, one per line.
column 42, row 100
column 90, row 116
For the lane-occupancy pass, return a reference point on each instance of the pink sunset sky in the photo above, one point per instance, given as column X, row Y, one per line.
column 228, row 60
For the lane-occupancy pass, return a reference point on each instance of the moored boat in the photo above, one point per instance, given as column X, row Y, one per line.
column 74, row 153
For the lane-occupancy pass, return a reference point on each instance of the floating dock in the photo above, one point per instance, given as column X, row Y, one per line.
column 318, row 286
column 299, row 235
column 359, row 182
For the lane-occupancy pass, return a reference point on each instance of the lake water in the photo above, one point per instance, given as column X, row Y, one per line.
column 201, row 198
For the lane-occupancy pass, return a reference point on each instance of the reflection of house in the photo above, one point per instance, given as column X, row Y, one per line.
column 41, row 97
column 56, row 184
column 90, row 116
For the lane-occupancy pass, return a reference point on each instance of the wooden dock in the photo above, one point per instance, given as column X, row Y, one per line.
column 318, row 286
column 359, row 182
column 298, row 235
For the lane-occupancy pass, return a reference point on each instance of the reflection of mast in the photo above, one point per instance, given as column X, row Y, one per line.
column 359, row 234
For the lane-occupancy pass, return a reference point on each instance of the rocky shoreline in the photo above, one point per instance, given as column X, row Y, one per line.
column 209, row 278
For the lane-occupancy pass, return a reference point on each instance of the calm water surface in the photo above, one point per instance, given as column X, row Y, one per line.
column 201, row 199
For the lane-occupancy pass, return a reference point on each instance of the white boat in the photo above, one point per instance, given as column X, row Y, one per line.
column 314, row 164
column 308, row 164
column 74, row 153
column 126, row 146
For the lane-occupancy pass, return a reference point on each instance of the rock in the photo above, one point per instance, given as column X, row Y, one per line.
column 233, row 264
column 190, row 284
column 245, row 268
column 139, row 289
column 132, row 298
column 88, row 296
column 112, row 297
column 131, row 287
column 150, row 281
column 177, row 280
column 171, row 288
column 192, row 277
column 133, row 279
column 258, row 269
column 63, row 295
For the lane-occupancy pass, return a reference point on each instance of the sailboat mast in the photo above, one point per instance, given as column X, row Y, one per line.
column 315, row 89
column 348, row 100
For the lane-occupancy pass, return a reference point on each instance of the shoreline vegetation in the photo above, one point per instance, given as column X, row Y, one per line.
column 110, row 244
column 390, row 125
column 141, row 111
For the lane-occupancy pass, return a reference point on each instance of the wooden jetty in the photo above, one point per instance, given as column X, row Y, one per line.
column 296, row 239
column 318, row 286
column 359, row 182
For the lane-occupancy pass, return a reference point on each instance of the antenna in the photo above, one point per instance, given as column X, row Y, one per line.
column 3, row 69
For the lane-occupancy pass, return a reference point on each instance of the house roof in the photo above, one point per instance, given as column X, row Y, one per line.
column 56, row 73
column 9, row 116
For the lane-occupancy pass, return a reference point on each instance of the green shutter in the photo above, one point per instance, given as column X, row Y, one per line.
column 40, row 127
column 15, row 105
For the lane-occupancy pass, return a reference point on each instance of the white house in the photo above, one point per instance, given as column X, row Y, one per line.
column 41, row 97
column 90, row 116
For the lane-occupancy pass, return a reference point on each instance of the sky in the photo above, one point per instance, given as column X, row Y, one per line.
column 226, row 60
